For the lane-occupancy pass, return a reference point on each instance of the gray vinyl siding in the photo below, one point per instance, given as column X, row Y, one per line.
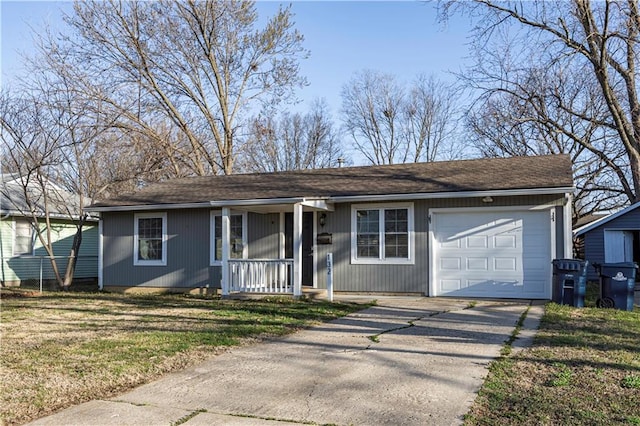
column 264, row 235
column 410, row 278
column 187, row 252
column 594, row 239
column 405, row 278
column 188, row 248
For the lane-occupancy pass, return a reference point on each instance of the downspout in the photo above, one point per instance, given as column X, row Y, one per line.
column 2, row 218
column 567, row 225
column 100, row 256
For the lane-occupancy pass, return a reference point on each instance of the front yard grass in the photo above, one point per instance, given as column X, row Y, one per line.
column 60, row 349
column 583, row 369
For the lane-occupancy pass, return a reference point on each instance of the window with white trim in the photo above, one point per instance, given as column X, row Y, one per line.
column 382, row 234
column 150, row 239
column 23, row 237
column 237, row 236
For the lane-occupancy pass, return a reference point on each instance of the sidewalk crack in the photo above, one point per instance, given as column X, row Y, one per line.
column 376, row 337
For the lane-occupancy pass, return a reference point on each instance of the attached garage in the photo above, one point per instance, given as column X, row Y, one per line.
column 488, row 252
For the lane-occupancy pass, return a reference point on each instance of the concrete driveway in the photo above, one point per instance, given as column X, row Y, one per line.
column 406, row 361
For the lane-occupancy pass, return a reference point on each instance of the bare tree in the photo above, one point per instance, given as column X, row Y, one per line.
column 430, row 120
column 371, row 105
column 390, row 123
column 38, row 143
column 180, row 75
column 561, row 77
column 292, row 141
column 509, row 124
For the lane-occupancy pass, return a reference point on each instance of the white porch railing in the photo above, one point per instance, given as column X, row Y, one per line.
column 261, row 276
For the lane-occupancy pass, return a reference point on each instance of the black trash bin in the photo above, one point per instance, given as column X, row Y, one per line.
column 570, row 281
column 617, row 282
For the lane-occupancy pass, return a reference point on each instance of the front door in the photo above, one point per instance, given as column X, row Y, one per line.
column 307, row 244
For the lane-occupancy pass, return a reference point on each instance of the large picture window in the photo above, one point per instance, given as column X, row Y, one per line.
column 237, row 237
column 382, row 234
column 150, row 240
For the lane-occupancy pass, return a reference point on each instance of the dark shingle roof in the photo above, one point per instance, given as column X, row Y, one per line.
column 553, row 171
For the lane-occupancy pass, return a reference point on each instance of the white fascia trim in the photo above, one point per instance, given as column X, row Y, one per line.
column 318, row 203
column 460, row 194
column 18, row 213
column 149, row 207
column 326, row 203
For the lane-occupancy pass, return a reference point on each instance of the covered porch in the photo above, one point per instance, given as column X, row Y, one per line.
column 283, row 275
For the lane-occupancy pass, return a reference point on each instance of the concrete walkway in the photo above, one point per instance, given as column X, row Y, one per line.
column 406, row 361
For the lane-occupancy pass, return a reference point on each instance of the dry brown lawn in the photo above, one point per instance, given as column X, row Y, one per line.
column 60, row 349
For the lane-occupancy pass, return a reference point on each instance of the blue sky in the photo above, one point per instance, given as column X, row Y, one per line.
column 398, row 37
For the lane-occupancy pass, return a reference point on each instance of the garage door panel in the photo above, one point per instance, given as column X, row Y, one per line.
column 487, row 287
column 505, row 241
column 450, row 285
column 493, row 254
column 450, row 263
column 477, row 264
column 505, row 264
column 477, row 241
column 454, row 244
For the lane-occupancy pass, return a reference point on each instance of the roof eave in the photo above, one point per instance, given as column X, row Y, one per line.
column 202, row 204
column 324, row 202
column 453, row 194
column 18, row 213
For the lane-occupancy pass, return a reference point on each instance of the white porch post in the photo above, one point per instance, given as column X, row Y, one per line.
column 282, row 238
column 297, row 249
column 225, row 251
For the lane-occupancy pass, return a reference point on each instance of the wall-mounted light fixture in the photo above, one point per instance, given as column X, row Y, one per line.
column 322, row 219
column 487, row 199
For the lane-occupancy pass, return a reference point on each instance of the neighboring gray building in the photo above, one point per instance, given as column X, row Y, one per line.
column 476, row 228
column 611, row 239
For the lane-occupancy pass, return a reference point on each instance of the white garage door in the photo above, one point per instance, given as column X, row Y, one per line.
column 505, row 254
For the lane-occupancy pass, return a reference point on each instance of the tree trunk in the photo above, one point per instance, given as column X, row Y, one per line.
column 73, row 255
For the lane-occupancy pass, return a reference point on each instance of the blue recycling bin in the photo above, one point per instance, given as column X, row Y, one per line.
column 570, row 281
column 617, row 282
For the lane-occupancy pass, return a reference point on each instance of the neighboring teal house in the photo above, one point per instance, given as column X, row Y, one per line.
column 24, row 259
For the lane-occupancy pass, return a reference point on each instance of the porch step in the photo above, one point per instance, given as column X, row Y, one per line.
column 314, row 293
column 309, row 293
